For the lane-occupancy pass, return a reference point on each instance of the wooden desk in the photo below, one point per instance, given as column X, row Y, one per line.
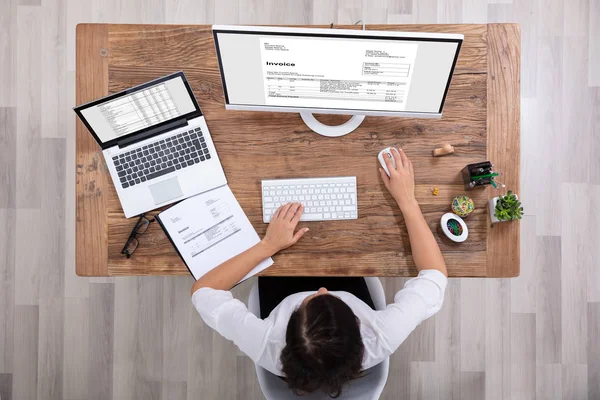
column 481, row 120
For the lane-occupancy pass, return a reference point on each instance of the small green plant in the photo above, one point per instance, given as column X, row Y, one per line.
column 508, row 208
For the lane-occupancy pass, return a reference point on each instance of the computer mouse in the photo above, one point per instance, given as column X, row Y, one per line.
column 387, row 152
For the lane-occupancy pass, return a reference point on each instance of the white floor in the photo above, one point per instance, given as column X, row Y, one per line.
column 536, row 336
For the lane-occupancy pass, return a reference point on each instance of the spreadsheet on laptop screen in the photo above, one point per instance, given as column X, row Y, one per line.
column 139, row 110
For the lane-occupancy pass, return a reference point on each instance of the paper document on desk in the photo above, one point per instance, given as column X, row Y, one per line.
column 209, row 229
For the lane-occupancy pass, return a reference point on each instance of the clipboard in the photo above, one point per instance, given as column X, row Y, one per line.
column 209, row 229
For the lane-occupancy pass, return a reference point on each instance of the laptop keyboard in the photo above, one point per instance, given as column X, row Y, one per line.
column 157, row 159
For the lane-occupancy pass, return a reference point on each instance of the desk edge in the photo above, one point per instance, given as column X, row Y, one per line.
column 503, row 144
column 91, row 250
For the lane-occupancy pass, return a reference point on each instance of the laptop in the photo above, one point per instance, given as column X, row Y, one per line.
column 155, row 142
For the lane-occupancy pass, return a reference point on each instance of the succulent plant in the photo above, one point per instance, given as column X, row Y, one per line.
column 508, row 208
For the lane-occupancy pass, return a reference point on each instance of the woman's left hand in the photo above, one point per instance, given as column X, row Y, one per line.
column 280, row 233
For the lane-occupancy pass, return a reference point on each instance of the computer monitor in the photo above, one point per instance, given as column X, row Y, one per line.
column 335, row 71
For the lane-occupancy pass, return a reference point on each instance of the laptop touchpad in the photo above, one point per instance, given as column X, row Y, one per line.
column 166, row 190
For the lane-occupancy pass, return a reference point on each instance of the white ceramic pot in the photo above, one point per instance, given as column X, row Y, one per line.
column 492, row 208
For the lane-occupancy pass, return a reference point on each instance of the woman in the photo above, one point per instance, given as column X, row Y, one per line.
column 319, row 340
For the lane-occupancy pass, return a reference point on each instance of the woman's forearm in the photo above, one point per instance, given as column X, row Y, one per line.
column 226, row 275
column 280, row 235
column 425, row 250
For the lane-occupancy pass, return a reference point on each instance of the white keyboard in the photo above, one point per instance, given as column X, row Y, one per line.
column 324, row 199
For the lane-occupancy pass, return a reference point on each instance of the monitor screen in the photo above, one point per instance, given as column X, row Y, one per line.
column 139, row 108
column 328, row 71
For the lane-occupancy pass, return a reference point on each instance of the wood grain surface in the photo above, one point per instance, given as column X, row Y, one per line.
column 503, row 146
column 259, row 145
column 92, row 179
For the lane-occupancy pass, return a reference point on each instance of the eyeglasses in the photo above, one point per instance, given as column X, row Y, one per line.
column 140, row 228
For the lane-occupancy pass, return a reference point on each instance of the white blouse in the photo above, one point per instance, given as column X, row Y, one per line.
column 382, row 331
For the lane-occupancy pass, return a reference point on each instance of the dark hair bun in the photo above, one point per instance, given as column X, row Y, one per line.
column 324, row 349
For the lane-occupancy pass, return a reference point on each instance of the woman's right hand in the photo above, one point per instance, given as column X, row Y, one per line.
column 280, row 233
column 401, row 182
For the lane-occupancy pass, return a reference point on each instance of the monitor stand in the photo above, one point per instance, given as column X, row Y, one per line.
column 328, row 130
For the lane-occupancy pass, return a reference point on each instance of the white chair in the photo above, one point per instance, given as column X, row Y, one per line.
column 369, row 386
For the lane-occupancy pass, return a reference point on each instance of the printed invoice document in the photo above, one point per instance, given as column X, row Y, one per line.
column 209, row 229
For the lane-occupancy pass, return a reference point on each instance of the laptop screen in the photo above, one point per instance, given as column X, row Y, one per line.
column 138, row 109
